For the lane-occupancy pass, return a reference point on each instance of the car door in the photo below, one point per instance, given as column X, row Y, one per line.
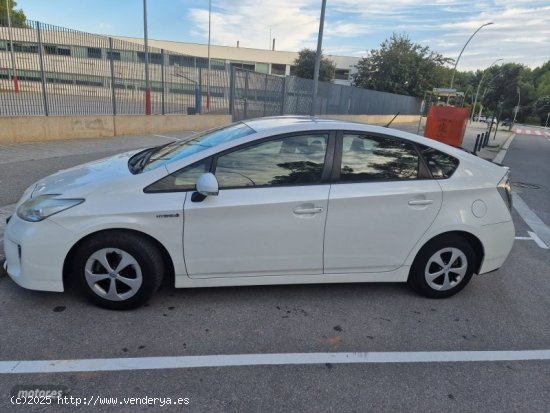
column 380, row 204
column 269, row 216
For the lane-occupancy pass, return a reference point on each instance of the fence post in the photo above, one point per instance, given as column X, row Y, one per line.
column 283, row 97
column 162, row 79
column 42, row 74
column 112, row 65
column 265, row 93
column 199, row 104
column 245, row 110
column 232, row 92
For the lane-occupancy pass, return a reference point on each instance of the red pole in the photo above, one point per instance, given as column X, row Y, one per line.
column 147, row 101
column 15, row 83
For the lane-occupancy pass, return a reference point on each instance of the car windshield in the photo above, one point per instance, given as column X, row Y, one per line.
column 153, row 158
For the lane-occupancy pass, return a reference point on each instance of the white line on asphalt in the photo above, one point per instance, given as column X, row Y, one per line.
column 538, row 132
column 536, row 238
column 539, row 228
column 502, row 153
column 524, row 238
column 528, row 131
column 280, row 359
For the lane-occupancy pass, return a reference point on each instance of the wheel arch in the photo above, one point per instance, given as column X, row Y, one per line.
column 167, row 259
column 473, row 240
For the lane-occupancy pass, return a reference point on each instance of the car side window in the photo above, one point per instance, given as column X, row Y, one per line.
column 440, row 164
column 181, row 180
column 375, row 158
column 292, row 160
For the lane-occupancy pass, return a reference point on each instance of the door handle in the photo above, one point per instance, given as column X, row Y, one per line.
column 303, row 211
column 420, row 202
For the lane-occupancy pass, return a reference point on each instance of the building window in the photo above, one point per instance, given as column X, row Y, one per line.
column 262, row 67
column 341, row 74
column 278, row 69
column 94, row 52
column 113, row 55
column 155, row 58
column 57, row 50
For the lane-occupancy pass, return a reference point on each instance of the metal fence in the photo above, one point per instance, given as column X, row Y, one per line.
column 66, row 72
column 50, row 70
column 255, row 95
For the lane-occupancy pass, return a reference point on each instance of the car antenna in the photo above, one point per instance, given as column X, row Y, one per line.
column 390, row 122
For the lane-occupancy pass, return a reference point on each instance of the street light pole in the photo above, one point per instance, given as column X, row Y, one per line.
column 146, row 47
column 208, row 76
column 456, row 63
column 478, row 86
column 14, row 74
column 318, row 57
column 517, row 107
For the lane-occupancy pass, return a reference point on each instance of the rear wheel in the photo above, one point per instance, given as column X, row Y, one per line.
column 118, row 270
column 443, row 267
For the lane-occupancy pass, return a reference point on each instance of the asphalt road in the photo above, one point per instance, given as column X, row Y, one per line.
column 505, row 310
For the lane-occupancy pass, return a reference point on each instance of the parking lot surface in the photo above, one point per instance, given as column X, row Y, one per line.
column 502, row 311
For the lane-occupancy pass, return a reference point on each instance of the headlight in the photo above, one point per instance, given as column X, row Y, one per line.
column 505, row 189
column 44, row 206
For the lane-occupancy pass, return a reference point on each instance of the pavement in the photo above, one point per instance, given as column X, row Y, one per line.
column 502, row 314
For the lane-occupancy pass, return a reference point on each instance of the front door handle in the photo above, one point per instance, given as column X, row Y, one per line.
column 304, row 211
column 420, row 202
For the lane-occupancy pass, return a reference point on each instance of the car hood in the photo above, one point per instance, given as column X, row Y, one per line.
column 81, row 179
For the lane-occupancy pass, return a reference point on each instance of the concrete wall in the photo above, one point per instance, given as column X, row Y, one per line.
column 50, row 128
column 375, row 119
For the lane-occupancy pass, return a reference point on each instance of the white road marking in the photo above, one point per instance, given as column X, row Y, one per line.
column 280, row 359
column 502, row 153
column 538, row 132
column 524, row 238
column 536, row 238
column 539, row 228
column 528, row 131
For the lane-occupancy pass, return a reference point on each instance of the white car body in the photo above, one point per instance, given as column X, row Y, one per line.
column 357, row 232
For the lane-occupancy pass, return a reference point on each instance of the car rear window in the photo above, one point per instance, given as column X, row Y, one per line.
column 441, row 165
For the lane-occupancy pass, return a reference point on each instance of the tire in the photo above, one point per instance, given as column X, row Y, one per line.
column 443, row 267
column 134, row 274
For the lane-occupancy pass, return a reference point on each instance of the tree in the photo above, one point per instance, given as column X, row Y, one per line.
column 542, row 108
column 401, row 66
column 18, row 18
column 304, row 66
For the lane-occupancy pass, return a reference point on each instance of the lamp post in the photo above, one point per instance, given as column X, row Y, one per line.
column 146, row 47
column 14, row 73
column 456, row 63
column 517, row 107
column 208, row 75
column 318, row 57
column 478, row 86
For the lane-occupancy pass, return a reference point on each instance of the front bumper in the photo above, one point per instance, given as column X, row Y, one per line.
column 35, row 253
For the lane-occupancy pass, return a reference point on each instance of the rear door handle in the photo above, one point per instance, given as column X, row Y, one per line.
column 420, row 202
column 303, row 211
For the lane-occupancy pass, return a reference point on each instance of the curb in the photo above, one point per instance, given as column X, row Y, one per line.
column 502, row 153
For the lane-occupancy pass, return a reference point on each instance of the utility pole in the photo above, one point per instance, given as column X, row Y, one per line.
column 318, row 58
column 146, row 47
column 14, row 73
column 208, row 75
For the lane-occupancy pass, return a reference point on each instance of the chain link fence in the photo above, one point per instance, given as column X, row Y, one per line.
column 50, row 70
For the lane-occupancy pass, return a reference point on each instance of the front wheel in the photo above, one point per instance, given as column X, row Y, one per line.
column 118, row 271
column 443, row 267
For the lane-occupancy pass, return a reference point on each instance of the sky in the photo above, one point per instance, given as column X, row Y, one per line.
column 520, row 32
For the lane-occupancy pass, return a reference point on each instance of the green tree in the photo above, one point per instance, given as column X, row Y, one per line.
column 401, row 66
column 542, row 108
column 17, row 17
column 304, row 66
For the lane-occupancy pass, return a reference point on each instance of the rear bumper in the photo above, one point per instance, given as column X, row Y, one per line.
column 497, row 240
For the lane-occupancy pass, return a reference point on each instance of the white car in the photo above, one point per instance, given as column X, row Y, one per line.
column 283, row 200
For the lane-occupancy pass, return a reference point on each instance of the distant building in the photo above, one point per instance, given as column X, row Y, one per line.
column 259, row 60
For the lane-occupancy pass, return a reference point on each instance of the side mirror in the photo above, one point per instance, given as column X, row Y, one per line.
column 207, row 185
